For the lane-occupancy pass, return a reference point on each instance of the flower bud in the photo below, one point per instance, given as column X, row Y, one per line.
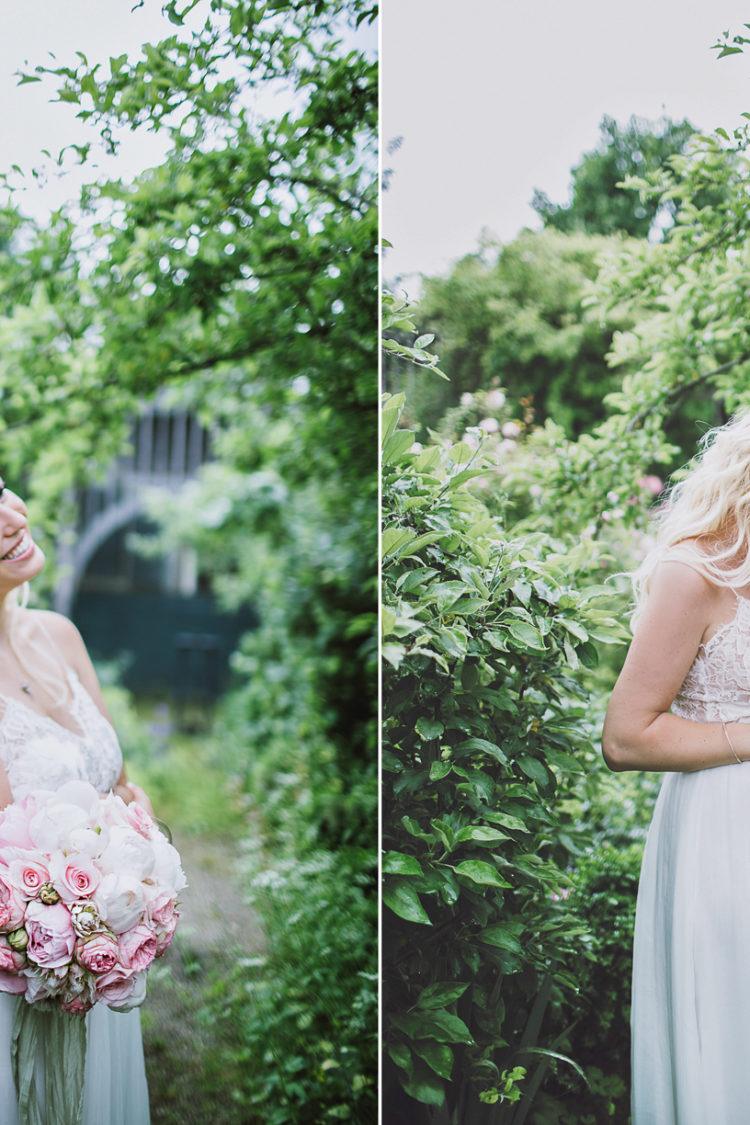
column 18, row 940
column 48, row 894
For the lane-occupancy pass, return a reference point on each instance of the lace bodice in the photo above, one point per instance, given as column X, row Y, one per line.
column 718, row 684
column 40, row 753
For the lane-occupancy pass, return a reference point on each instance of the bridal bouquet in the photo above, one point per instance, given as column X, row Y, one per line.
column 88, row 898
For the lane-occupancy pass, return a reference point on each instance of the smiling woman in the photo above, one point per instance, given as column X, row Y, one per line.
column 54, row 728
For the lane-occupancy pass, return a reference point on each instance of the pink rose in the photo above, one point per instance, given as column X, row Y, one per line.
column 11, row 904
column 137, row 948
column 98, row 954
column 74, row 877
column 28, row 875
column 51, row 935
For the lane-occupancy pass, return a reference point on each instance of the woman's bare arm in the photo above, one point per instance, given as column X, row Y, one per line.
column 640, row 733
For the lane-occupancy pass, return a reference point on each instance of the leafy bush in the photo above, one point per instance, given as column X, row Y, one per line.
column 306, row 1011
column 603, row 896
column 486, row 730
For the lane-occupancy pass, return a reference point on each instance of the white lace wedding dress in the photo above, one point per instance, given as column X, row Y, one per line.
column 40, row 753
column 691, row 970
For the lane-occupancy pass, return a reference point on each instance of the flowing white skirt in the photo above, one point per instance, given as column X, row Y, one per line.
column 115, row 1090
column 691, row 964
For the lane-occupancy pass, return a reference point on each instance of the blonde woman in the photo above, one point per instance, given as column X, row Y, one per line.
column 682, row 705
column 54, row 727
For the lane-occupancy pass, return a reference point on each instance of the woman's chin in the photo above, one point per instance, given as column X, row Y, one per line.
column 15, row 573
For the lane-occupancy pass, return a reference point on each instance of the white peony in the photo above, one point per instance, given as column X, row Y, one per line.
column 120, row 901
column 167, row 868
column 127, row 850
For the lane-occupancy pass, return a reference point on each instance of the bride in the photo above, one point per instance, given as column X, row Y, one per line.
column 682, row 705
column 54, row 727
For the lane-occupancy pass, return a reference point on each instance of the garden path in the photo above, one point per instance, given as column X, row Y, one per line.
column 188, row 1058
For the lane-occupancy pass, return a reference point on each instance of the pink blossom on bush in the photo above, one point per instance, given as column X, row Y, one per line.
column 511, row 430
column 495, row 399
column 489, row 425
column 651, row 483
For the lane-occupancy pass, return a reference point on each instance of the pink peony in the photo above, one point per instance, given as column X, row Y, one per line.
column 77, row 1005
column 11, row 982
column 99, row 953
column 14, row 824
column 116, row 985
column 11, row 904
column 51, row 935
column 138, row 818
column 162, row 916
column 137, row 948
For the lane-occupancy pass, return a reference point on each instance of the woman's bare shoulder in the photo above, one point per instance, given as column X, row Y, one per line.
column 61, row 631
column 683, row 579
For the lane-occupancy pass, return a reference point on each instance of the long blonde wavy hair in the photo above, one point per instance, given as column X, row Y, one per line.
column 705, row 520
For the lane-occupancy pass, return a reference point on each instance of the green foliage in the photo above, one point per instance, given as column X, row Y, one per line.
column 515, row 317
column 598, row 203
column 245, row 259
column 485, row 732
column 239, row 278
column 603, row 896
column 307, row 1010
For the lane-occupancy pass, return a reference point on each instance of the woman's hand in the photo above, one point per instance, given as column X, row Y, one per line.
column 130, row 792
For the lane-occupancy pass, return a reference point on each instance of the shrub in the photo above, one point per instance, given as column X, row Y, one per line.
column 486, row 730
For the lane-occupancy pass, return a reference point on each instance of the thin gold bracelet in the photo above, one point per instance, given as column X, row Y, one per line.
column 726, row 732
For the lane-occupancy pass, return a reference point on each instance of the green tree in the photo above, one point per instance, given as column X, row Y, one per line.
column 519, row 320
column 598, row 203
